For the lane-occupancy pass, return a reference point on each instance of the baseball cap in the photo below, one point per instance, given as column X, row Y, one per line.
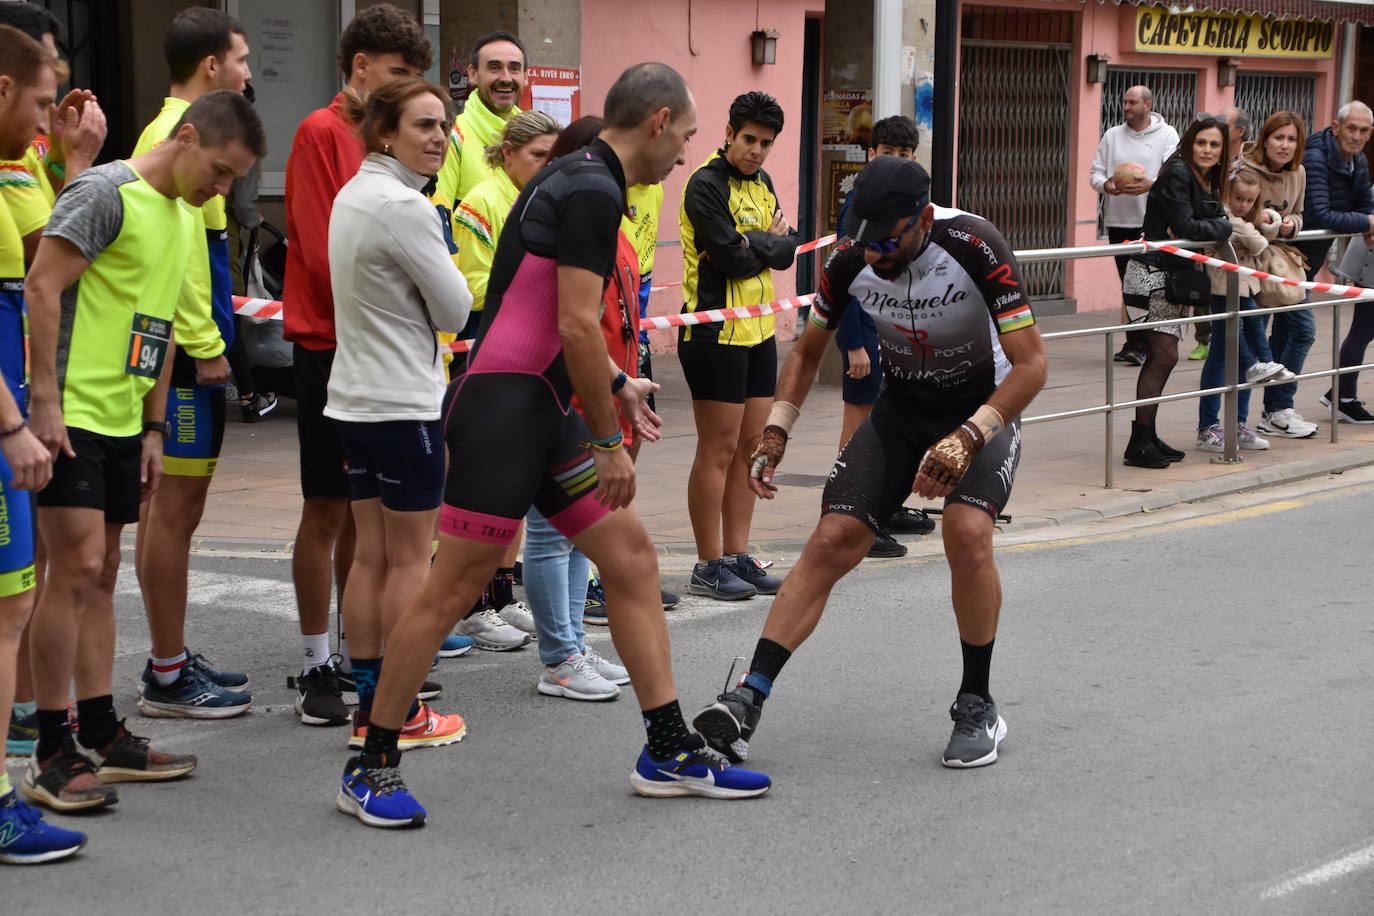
column 886, row 190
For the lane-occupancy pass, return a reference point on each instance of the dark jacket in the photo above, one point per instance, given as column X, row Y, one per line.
column 1338, row 193
column 1178, row 207
column 728, row 253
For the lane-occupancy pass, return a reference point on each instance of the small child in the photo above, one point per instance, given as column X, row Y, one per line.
column 1248, row 238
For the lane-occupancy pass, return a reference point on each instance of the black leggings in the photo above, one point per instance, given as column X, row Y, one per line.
column 1353, row 347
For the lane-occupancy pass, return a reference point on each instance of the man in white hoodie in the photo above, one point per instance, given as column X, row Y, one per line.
column 1145, row 140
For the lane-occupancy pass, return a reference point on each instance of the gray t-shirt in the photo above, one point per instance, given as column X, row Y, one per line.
column 89, row 212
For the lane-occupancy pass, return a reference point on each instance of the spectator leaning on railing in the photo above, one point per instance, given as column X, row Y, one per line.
column 1339, row 199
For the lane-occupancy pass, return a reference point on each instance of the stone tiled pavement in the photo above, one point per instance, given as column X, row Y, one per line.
column 255, row 498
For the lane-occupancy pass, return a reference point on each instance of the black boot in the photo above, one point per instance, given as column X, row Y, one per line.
column 1170, row 453
column 1141, row 451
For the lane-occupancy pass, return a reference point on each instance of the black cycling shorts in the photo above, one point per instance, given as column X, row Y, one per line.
column 723, row 372
column 321, row 453
column 873, row 475
column 104, row 475
column 400, row 462
column 512, row 446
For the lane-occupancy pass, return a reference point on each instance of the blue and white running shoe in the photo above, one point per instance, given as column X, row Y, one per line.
column 26, row 839
column 191, row 696
column 377, row 796
column 455, row 644
column 695, row 771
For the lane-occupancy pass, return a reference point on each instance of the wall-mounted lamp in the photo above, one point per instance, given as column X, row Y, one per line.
column 1097, row 67
column 1226, row 71
column 765, row 46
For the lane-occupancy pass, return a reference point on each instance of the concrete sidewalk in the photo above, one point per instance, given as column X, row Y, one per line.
column 255, row 499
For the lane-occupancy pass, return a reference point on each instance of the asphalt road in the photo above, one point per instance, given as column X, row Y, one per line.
column 1188, row 705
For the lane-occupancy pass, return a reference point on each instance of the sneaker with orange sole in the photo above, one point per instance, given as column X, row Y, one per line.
column 427, row 728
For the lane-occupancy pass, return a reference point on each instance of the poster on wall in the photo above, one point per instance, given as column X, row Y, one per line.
column 839, row 181
column 846, row 119
column 556, row 91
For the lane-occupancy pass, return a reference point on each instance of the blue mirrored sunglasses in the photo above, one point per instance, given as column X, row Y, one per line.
column 889, row 245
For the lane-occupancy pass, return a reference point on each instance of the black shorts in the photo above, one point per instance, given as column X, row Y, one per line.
column 722, row 372
column 104, row 475
column 512, row 446
column 321, row 453
column 400, row 462
column 873, row 475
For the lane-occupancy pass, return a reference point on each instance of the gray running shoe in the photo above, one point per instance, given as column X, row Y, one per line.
column 729, row 723
column 718, row 579
column 978, row 730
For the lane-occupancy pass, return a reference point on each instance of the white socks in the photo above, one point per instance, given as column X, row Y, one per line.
column 316, row 650
column 167, row 670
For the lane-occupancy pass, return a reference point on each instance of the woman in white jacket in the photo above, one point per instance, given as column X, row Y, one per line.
column 395, row 285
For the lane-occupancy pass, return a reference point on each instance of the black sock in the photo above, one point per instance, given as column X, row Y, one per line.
column 503, row 587
column 381, row 741
column 666, row 729
column 95, row 718
column 977, row 663
column 53, row 731
column 480, row 605
column 769, row 657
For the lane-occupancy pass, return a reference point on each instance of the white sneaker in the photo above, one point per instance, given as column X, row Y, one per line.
column 1249, row 439
column 1287, row 423
column 490, row 632
column 1266, row 372
column 518, row 615
column 1210, row 440
column 576, row 679
column 612, row 672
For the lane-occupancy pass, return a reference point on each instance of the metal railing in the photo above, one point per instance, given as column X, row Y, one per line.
column 1230, row 392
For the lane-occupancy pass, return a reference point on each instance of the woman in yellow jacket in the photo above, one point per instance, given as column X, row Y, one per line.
column 733, row 238
column 498, row 622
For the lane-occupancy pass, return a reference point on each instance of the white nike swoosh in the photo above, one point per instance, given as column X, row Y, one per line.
column 992, row 731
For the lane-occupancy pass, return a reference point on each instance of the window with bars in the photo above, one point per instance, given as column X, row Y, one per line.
column 1262, row 94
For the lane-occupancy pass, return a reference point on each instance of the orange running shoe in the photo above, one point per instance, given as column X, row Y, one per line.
column 427, row 728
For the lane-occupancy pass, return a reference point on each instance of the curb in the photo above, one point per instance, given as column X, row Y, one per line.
column 1114, row 507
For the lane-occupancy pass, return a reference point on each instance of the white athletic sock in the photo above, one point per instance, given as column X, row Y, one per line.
column 346, row 660
column 316, row 650
column 167, row 670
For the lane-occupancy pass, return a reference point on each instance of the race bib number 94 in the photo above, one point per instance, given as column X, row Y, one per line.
column 148, row 341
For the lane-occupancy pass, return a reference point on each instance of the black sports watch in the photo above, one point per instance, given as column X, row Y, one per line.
column 152, row 426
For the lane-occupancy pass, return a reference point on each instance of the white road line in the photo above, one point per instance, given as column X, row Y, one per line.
column 1358, row 860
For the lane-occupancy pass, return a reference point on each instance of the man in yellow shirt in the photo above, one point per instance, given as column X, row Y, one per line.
column 206, row 50
column 496, row 70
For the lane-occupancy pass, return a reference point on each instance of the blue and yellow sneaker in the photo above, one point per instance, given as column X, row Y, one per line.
column 695, row 770
column 23, row 735
column 455, row 644
column 594, row 608
column 374, row 793
column 26, row 839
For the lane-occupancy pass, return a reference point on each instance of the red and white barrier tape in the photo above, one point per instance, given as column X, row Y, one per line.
column 1349, row 292
column 801, row 249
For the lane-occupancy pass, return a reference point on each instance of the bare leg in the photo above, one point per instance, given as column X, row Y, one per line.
column 625, row 559
column 322, row 522
column 854, row 414
column 162, row 557
column 974, row 583
column 14, row 618
column 95, row 655
column 718, row 425
column 361, row 605
column 407, row 562
column 834, row 548
column 737, row 507
column 461, row 569
column 74, row 574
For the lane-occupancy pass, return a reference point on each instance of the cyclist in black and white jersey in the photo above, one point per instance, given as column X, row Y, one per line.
column 961, row 359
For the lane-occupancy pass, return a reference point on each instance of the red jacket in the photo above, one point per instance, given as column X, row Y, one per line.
column 620, row 304
column 325, row 154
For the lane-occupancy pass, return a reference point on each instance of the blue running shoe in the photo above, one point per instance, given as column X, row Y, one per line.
column 231, row 679
column 376, row 795
column 23, row 735
column 26, row 839
column 695, row 771
column 191, row 696
column 455, row 644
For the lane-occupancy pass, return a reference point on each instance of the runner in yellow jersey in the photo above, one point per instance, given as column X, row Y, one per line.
column 206, row 50
column 103, row 294
column 28, row 85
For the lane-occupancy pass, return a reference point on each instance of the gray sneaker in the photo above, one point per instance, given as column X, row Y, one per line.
column 488, row 631
column 608, row 669
column 576, row 679
column 752, row 571
column 518, row 615
column 978, row 730
column 718, row 579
